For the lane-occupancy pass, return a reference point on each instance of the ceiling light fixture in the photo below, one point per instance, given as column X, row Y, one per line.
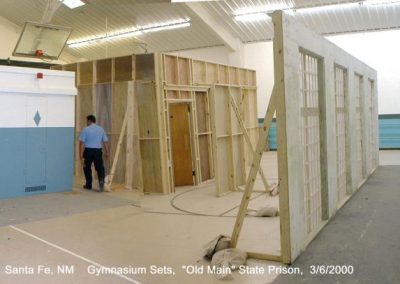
column 72, row 4
column 258, row 13
column 132, row 33
column 381, row 2
column 165, row 27
column 326, row 8
column 261, row 13
column 183, row 1
column 252, row 17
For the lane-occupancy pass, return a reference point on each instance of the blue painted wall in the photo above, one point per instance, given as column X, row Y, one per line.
column 389, row 132
column 272, row 144
column 34, row 157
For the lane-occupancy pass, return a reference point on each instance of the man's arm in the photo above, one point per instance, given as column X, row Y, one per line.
column 82, row 139
column 105, row 144
column 106, row 149
column 81, row 147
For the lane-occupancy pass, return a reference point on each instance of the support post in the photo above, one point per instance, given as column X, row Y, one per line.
column 261, row 144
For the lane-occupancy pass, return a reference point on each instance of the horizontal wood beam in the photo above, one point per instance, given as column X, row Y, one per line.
column 216, row 26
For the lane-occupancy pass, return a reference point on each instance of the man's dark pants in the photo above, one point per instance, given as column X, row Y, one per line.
column 91, row 155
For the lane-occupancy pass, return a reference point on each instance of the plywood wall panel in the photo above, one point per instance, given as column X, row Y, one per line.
column 204, row 146
column 150, row 154
column 156, row 81
column 86, row 73
column 119, row 106
column 171, row 70
column 212, row 73
column 202, row 112
column 123, row 69
column 224, row 177
column 103, row 107
column 221, row 101
column 199, row 72
column 104, row 71
column 223, row 72
column 84, row 106
column 147, row 108
column 144, row 67
column 236, row 94
column 238, row 161
column 184, row 72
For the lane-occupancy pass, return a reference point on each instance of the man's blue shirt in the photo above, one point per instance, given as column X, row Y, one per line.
column 93, row 136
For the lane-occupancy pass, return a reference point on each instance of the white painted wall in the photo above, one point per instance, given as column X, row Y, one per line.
column 260, row 57
column 9, row 32
column 219, row 54
column 380, row 50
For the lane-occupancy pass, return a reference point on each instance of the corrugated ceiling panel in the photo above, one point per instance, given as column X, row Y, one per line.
column 90, row 21
column 338, row 20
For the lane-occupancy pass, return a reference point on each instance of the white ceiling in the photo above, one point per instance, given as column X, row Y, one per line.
column 90, row 20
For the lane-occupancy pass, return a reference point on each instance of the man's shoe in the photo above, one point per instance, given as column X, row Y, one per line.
column 87, row 187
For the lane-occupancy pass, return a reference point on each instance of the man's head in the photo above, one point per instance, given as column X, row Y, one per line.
column 90, row 119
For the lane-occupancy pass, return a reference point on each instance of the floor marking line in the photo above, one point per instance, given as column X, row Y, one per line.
column 72, row 253
column 369, row 223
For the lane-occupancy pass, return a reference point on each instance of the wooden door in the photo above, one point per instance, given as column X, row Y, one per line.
column 181, row 144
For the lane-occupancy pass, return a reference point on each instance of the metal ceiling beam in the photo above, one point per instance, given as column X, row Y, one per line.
column 51, row 8
column 216, row 26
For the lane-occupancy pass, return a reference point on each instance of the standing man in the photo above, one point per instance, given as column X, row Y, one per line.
column 91, row 142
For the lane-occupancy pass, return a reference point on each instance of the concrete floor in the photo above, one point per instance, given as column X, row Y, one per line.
column 128, row 229
column 364, row 234
column 389, row 157
column 123, row 229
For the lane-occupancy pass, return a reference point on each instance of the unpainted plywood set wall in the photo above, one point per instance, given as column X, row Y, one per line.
column 327, row 120
column 158, row 153
column 104, row 87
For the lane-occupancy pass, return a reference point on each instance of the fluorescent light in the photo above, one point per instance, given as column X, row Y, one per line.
column 164, row 28
column 381, row 2
column 104, row 38
column 124, row 35
column 132, row 33
column 72, row 4
column 326, row 8
column 260, row 16
column 258, row 13
column 262, row 9
column 183, row 1
column 82, row 43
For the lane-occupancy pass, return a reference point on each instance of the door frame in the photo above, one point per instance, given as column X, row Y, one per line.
column 193, row 145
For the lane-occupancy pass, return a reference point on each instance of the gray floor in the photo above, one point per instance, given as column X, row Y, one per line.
column 365, row 233
column 129, row 229
column 46, row 206
column 126, row 228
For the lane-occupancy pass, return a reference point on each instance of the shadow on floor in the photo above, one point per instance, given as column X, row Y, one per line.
column 47, row 206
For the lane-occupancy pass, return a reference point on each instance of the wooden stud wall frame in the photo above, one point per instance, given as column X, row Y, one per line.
column 340, row 89
column 153, row 84
column 232, row 157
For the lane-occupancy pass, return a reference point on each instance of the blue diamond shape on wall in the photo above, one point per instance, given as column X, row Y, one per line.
column 37, row 118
